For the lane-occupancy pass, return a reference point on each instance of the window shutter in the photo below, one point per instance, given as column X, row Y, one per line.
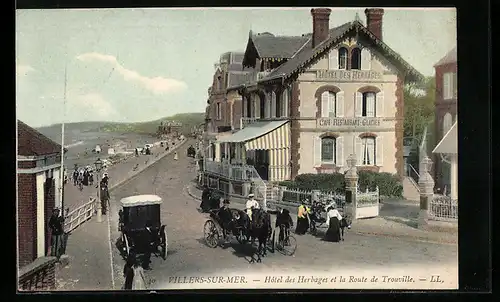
column 446, row 84
column 379, row 102
column 324, row 104
column 340, row 104
column 359, row 151
column 379, row 151
column 317, row 151
column 358, row 96
column 339, row 143
column 366, row 59
column 333, row 59
column 455, row 85
column 332, row 109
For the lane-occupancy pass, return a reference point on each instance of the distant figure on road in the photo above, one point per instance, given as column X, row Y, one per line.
column 176, row 157
column 56, row 225
column 205, row 199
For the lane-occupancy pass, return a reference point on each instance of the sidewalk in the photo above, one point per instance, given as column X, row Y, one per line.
column 378, row 226
column 88, row 247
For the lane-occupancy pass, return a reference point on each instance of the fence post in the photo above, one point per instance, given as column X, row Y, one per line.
column 426, row 185
column 351, row 186
column 281, row 191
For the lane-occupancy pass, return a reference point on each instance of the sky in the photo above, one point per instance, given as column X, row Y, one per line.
column 130, row 65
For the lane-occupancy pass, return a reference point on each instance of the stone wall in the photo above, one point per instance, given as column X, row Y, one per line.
column 39, row 275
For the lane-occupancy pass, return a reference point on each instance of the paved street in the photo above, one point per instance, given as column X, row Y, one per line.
column 188, row 255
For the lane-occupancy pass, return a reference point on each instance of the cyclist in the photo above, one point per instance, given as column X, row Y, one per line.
column 284, row 222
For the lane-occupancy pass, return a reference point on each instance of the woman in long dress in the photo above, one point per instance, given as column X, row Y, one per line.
column 139, row 279
column 333, row 219
column 302, row 220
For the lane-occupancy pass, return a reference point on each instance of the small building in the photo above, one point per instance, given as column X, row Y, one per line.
column 38, row 191
column 445, row 112
column 315, row 98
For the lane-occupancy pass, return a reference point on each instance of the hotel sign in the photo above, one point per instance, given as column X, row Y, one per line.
column 348, row 75
column 326, row 122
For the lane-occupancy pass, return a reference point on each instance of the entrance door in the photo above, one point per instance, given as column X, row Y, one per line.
column 262, row 163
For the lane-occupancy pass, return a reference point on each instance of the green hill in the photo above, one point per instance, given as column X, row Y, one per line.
column 188, row 120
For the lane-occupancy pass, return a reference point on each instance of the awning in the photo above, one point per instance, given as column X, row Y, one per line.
column 262, row 136
column 448, row 143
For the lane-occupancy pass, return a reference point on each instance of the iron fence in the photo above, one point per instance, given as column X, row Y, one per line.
column 443, row 208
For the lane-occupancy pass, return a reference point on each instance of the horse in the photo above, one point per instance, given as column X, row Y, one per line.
column 260, row 229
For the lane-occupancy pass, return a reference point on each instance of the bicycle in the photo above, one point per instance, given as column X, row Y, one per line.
column 287, row 244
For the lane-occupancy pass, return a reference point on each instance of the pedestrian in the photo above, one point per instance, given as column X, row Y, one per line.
column 205, row 199
column 176, row 157
column 56, row 225
column 284, row 222
column 128, row 271
column 104, row 197
column 333, row 219
column 139, row 279
column 302, row 220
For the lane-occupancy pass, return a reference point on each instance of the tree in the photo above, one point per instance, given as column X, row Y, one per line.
column 419, row 107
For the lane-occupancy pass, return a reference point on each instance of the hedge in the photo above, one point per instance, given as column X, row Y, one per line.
column 388, row 184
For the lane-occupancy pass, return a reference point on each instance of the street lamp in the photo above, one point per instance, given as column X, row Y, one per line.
column 98, row 166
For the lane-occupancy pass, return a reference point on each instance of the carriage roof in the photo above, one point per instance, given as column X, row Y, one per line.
column 140, row 200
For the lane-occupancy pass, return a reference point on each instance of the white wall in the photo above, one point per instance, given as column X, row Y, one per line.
column 40, row 217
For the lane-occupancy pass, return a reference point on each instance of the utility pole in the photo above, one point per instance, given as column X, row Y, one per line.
column 61, row 178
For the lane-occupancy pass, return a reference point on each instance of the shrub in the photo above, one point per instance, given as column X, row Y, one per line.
column 388, row 184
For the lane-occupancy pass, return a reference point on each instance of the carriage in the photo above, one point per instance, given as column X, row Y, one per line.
column 213, row 231
column 140, row 226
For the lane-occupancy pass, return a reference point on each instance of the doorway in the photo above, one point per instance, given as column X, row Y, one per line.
column 262, row 163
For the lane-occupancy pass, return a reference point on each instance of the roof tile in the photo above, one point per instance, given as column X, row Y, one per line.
column 33, row 143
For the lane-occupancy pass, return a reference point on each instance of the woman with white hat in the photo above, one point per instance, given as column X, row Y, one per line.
column 251, row 203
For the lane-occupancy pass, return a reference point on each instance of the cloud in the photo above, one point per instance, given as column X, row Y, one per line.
column 157, row 85
column 23, row 70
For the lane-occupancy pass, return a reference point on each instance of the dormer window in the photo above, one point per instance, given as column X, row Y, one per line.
column 356, row 59
column 343, row 58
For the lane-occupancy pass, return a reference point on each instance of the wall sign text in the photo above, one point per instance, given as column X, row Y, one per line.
column 349, row 75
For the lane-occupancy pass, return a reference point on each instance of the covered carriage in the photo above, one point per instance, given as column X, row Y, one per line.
column 140, row 226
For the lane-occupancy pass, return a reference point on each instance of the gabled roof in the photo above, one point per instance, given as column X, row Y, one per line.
column 307, row 54
column 271, row 46
column 450, row 57
column 33, row 143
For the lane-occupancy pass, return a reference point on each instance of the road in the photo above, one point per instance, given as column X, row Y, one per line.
column 189, row 256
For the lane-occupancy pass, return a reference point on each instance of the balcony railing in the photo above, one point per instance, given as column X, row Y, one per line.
column 261, row 75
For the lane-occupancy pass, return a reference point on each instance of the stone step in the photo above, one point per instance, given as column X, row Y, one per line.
column 410, row 189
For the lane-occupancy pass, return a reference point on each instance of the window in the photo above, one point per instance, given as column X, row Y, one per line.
column 328, row 147
column 356, row 59
column 447, row 122
column 219, row 111
column 219, row 83
column 368, row 105
column 342, row 58
column 368, row 151
column 449, row 85
column 328, row 105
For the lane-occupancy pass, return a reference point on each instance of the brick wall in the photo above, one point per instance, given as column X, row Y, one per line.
column 26, row 164
column 39, row 275
column 26, row 218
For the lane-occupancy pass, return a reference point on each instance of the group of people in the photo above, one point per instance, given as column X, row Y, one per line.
column 83, row 176
column 333, row 221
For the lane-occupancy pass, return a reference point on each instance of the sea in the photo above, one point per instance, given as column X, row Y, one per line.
column 81, row 143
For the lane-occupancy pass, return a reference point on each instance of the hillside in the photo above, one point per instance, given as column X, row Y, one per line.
column 188, row 120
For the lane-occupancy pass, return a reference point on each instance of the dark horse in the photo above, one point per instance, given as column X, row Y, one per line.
column 260, row 229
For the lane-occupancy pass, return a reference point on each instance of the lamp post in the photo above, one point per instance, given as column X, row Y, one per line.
column 98, row 165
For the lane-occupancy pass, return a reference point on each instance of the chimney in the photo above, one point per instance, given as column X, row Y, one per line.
column 321, row 25
column 374, row 21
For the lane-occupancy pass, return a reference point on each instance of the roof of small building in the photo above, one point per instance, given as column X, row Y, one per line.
column 33, row 143
column 450, row 57
column 236, row 79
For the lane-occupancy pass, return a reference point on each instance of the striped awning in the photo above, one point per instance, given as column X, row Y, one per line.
column 278, row 138
column 261, row 136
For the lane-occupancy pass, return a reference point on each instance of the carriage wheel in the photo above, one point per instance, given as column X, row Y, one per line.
column 163, row 243
column 126, row 245
column 288, row 248
column 241, row 237
column 211, row 234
